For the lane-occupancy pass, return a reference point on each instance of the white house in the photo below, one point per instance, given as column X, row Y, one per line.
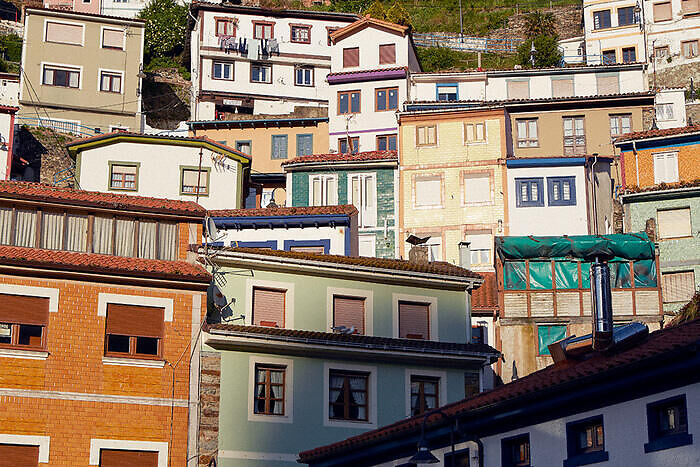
column 613, row 32
column 543, row 83
column 257, row 60
column 193, row 169
column 9, row 89
column 673, row 32
column 670, row 108
column 370, row 63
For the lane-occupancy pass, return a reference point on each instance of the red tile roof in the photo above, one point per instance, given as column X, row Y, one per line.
column 371, row 70
column 71, row 197
column 485, row 298
column 663, row 187
column 89, row 15
column 657, row 344
column 435, row 267
column 383, row 343
column 503, row 102
column 360, row 157
column 107, row 264
column 637, row 135
column 367, row 21
column 343, row 209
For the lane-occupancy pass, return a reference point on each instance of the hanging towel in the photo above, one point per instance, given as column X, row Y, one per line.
column 263, row 47
column 254, row 49
column 274, row 47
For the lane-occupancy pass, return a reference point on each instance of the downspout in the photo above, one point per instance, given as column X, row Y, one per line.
column 593, row 195
column 636, row 160
column 10, row 139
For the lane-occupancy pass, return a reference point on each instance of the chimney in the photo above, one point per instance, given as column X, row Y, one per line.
column 418, row 254
column 601, row 297
column 465, row 254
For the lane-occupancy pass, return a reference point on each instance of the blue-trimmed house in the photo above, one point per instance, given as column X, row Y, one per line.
column 367, row 180
column 317, row 229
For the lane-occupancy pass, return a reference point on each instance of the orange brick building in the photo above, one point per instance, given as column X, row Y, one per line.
column 99, row 310
column 654, row 157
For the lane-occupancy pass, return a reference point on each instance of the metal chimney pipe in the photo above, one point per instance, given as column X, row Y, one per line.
column 465, row 258
column 601, row 297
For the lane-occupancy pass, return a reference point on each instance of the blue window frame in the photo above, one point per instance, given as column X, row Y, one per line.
column 305, row 145
column 515, row 451
column 561, row 191
column 325, row 243
column 279, row 147
column 271, row 244
column 585, row 442
column 549, row 334
column 529, row 192
column 446, row 92
column 667, row 424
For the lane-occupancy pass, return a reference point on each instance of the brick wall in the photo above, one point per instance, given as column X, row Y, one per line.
column 75, row 342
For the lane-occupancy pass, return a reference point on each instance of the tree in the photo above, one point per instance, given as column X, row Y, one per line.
column 546, row 54
column 436, row 58
column 376, row 10
column 540, row 24
column 397, row 14
column 166, row 28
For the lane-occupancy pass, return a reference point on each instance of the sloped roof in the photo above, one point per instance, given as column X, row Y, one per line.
column 365, row 22
column 640, row 135
column 360, row 157
column 343, row 209
column 656, row 345
column 97, row 263
column 72, row 197
column 485, row 298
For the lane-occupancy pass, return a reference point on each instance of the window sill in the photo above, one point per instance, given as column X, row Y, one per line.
column 257, row 417
column 668, row 442
column 27, row 354
column 585, row 459
column 144, row 363
column 361, row 424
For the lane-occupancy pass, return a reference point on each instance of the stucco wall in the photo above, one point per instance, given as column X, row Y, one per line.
column 368, row 40
column 336, row 236
column 638, row 170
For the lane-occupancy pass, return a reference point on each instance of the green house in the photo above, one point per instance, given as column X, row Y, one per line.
column 366, row 179
column 303, row 349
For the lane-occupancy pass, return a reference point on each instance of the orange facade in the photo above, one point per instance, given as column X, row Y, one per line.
column 638, row 166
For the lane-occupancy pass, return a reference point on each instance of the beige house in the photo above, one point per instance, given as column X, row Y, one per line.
column 81, row 71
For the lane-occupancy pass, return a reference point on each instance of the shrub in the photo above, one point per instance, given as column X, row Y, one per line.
column 166, row 28
column 397, row 14
column 376, row 10
column 547, row 53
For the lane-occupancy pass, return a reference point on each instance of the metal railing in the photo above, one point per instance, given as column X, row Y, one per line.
column 62, row 126
column 467, row 44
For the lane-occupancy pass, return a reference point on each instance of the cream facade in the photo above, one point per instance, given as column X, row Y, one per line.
column 452, row 186
column 613, row 32
column 81, row 72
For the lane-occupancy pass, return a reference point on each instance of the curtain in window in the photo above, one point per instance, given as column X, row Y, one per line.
column 147, row 239
column 25, row 233
column 52, row 230
column 5, row 226
column 167, row 241
column 76, row 232
column 102, row 235
column 335, row 395
column 124, row 239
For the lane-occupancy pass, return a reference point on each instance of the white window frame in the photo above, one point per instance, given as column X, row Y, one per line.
column 368, row 295
column 161, row 447
column 432, row 311
column 102, row 33
column 43, row 442
column 305, row 69
column 374, row 243
column 361, row 217
column 62, row 66
column 268, row 73
column 324, row 188
column 288, row 365
column 665, row 154
column 473, row 125
column 442, row 385
column 288, row 288
column 112, row 72
column 665, row 104
column 72, row 23
column 223, row 64
column 371, row 394
column 30, row 291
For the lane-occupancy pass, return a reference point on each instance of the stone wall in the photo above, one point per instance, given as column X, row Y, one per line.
column 679, row 77
column 209, row 396
column 569, row 23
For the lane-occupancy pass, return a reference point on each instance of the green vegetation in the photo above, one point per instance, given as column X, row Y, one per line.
column 166, row 35
column 444, row 59
column 540, row 30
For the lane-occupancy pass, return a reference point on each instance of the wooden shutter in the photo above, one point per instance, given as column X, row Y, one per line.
column 318, row 249
column 518, row 89
column 387, row 54
column 414, row 320
column 562, row 87
column 662, row 11
column 117, row 458
column 678, row 286
column 21, row 309
column 268, row 307
column 15, row 455
column 134, row 320
column 351, row 57
column 64, row 33
column 608, row 84
column 674, row 223
column 113, row 38
column 349, row 311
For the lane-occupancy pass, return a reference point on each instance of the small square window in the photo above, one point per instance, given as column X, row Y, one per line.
column 263, row 30
column 134, row 331
column 620, row 124
column 561, row 191
column 348, row 394
column 426, row 135
column 472, row 383
column 194, row 181
column 300, row 34
column 625, row 16
column 629, row 55
column 221, row 70
column 123, row 177
column 386, row 99
column 609, row 57
column 529, row 192
column 304, row 76
column 527, row 133
column 424, row 394
column 353, row 148
column 348, row 102
column 585, row 441
column 260, row 74
column 447, row 92
column 667, row 424
column 269, row 390
column 601, row 19
column 386, row 143
column 515, row 451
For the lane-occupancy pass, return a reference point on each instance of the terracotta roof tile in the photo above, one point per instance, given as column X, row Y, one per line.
column 343, row 209
column 89, row 15
column 367, row 21
column 657, row 344
column 637, row 135
column 385, row 343
column 71, row 197
column 434, row 267
column 96, row 263
column 368, row 156
column 499, row 103
column 485, row 298
column 663, row 187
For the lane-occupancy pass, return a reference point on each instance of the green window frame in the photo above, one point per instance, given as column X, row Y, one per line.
column 117, row 165
column 548, row 334
column 186, row 168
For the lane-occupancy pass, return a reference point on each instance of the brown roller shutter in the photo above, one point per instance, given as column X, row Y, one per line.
column 14, row 455
column 268, row 307
column 133, row 320
column 319, row 250
column 351, row 57
column 21, row 309
column 413, row 320
column 349, row 311
column 116, row 458
column 387, row 54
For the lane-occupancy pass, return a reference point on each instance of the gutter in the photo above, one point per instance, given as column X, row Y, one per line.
column 657, row 138
column 377, row 163
column 661, row 193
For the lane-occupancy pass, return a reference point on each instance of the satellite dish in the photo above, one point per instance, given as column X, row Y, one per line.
column 212, row 230
column 218, row 297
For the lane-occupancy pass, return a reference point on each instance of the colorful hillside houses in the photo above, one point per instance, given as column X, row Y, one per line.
column 366, row 180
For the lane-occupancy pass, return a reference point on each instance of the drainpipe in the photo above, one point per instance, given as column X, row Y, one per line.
column 636, row 160
column 595, row 201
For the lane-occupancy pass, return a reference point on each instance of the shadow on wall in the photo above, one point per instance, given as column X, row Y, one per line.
column 162, row 105
column 27, row 158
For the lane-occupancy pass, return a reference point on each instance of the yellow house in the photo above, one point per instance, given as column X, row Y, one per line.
column 451, row 182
